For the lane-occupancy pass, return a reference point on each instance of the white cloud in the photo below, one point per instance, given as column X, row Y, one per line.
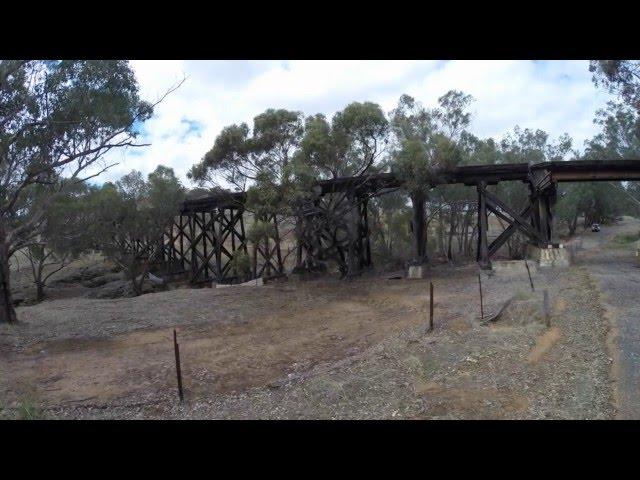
column 555, row 96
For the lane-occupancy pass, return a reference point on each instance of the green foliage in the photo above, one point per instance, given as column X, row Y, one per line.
column 389, row 224
column 427, row 141
column 424, row 143
column 350, row 145
column 358, row 132
column 65, row 228
column 626, row 238
column 59, row 118
column 476, row 151
column 63, row 116
column 163, row 195
column 533, row 146
column 260, row 230
column 275, row 134
column 621, row 77
column 570, row 206
column 149, row 207
column 28, row 409
column 320, row 154
column 62, row 233
column 241, row 264
column 260, row 161
column 452, row 114
column 133, row 209
column 618, row 138
column 241, row 155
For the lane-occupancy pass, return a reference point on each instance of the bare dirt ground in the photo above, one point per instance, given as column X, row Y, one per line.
column 318, row 349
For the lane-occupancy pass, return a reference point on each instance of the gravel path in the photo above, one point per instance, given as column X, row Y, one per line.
column 615, row 270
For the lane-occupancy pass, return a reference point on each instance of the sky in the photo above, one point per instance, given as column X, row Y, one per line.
column 555, row 96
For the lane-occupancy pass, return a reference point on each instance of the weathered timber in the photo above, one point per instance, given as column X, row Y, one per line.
column 199, row 240
column 483, row 227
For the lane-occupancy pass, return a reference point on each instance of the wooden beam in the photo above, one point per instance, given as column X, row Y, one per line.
column 507, row 232
column 483, row 226
column 495, row 205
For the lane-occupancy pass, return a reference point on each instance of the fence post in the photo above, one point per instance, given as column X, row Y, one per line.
column 526, row 264
column 178, row 371
column 546, row 308
column 481, row 301
column 430, row 306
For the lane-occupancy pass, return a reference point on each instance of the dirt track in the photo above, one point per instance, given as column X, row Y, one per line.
column 615, row 270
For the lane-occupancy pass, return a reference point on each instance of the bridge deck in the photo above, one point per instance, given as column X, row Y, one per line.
column 591, row 170
column 563, row 171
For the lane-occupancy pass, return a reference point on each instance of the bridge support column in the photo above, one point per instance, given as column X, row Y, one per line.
column 483, row 227
column 535, row 208
column 548, row 200
column 417, row 225
column 364, row 240
column 556, row 256
column 418, row 267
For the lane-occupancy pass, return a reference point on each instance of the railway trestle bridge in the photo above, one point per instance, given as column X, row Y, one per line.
column 210, row 231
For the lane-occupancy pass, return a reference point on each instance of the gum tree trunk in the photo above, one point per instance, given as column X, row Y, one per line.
column 418, row 225
column 7, row 312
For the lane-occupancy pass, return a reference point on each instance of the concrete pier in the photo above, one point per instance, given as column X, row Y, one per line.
column 550, row 256
column 418, row 271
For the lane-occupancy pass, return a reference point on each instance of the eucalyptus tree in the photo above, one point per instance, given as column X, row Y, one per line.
column 63, row 236
column 617, row 139
column 260, row 162
column 620, row 122
column 240, row 155
column 389, row 224
column 134, row 210
column 426, row 141
column 57, row 119
column 620, row 77
column 352, row 144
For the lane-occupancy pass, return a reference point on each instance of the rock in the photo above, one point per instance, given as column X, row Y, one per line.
column 518, row 311
column 120, row 288
column 148, row 287
column 258, row 282
column 418, row 271
column 117, row 289
column 102, row 280
column 155, row 280
column 18, row 298
column 82, row 275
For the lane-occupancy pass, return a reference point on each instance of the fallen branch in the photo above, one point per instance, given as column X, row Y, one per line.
column 494, row 317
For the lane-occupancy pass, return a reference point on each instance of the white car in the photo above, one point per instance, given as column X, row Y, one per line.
column 595, row 227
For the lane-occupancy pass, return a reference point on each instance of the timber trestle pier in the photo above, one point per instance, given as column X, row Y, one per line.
column 209, row 232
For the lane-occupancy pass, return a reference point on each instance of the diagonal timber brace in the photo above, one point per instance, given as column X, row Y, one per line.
column 510, row 230
column 498, row 207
